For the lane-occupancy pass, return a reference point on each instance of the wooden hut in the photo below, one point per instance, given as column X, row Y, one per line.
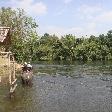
column 7, row 62
column 5, row 39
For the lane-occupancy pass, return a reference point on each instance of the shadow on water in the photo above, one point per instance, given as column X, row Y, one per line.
column 63, row 87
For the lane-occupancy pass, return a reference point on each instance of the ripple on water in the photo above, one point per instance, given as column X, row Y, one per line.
column 63, row 88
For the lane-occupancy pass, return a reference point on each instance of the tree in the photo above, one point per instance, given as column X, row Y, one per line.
column 21, row 28
column 69, row 43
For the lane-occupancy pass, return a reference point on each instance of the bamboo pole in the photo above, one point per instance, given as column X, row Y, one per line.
column 14, row 69
column 9, row 70
column 0, row 79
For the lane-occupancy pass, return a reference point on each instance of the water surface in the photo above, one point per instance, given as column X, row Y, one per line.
column 63, row 87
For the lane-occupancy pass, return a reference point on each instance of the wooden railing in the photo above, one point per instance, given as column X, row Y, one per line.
column 10, row 64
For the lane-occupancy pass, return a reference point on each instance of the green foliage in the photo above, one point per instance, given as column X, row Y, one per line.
column 28, row 46
column 23, row 32
column 71, row 48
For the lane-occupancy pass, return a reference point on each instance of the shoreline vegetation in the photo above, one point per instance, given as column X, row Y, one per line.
column 27, row 45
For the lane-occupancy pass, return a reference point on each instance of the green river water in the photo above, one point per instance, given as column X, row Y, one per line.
column 63, row 87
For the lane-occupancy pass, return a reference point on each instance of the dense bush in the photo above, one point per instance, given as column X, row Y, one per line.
column 28, row 46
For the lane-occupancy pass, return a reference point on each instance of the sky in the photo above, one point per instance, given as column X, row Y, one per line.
column 61, row 17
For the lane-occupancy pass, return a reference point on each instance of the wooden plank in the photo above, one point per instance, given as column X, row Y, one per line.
column 5, row 53
column 0, row 79
column 12, row 89
column 14, row 76
column 10, row 79
column 13, row 81
column 12, row 61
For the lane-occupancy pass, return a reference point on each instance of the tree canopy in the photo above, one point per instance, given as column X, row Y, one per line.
column 23, row 31
column 28, row 46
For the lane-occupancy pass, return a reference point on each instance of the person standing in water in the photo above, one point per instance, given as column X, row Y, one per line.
column 24, row 68
column 29, row 66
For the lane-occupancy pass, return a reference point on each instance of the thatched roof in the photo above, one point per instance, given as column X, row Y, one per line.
column 4, row 33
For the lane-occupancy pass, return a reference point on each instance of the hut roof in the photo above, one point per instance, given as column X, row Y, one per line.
column 4, row 31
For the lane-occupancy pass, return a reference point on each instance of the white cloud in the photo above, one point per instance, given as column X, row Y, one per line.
column 86, row 12
column 105, row 17
column 58, row 13
column 55, row 30
column 78, row 31
column 95, row 14
column 86, row 9
column 96, row 19
column 67, row 1
column 31, row 7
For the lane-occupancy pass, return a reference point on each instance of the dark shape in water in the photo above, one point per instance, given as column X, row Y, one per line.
column 26, row 78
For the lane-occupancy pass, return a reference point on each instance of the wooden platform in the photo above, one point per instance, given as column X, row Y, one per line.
column 7, row 67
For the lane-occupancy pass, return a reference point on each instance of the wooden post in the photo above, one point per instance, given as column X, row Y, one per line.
column 9, row 69
column 14, row 68
column 0, row 79
column 13, row 79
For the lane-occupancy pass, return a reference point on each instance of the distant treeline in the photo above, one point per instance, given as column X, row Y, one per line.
column 28, row 46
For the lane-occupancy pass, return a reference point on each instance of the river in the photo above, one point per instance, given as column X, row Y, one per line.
column 63, row 87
